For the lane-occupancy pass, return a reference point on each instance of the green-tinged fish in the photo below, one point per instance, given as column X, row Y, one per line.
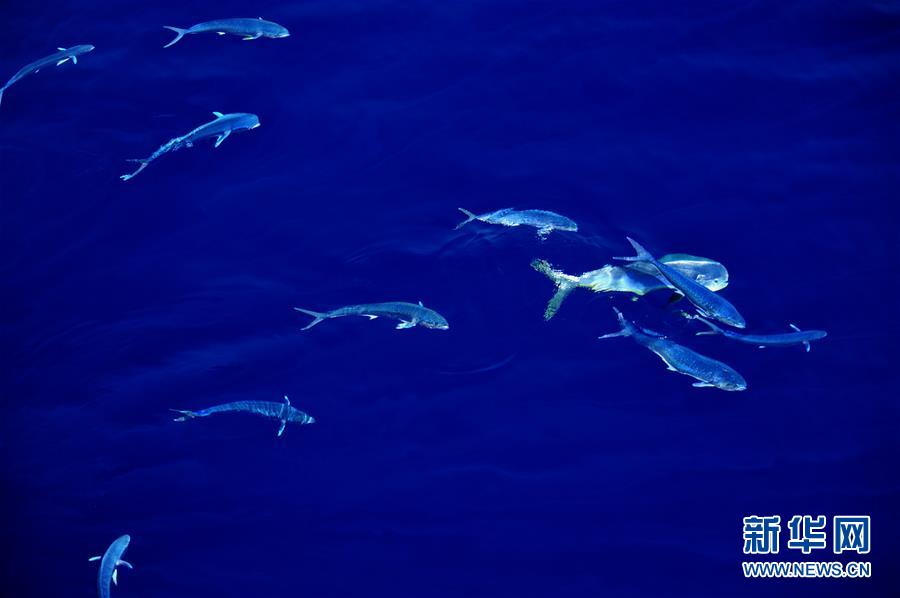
column 680, row 359
column 220, row 128
column 783, row 339
column 248, row 29
column 409, row 314
column 283, row 412
column 546, row 222
column 109, row 562
column 61, row 57
column 637, row 278
column 706, row 302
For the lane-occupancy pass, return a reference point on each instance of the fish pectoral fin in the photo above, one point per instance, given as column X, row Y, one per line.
column 283, row 425
column 795, row 328
column 125, row 563
column 74, row 60
column 218, row 114
column 62, row 61
column 702, row 385
column 403, row 325
column 220, row 32
column 806, row 344
column 761, row 347
column 95, row 558
column 115, row 576
column 254, row 36
column 222, row 138
column 371, row 317
column 62, row 49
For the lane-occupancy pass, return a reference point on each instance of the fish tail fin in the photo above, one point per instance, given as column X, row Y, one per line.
column 319, row 316
column 642, row 255
column 565, row 284
column 626, row 330
column 177, row 30
column 713, row 329
column 185, row 414
column 469, row 218
column 143, row 164
column 2, row 89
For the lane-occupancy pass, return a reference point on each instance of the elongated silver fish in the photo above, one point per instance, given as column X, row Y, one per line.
column 679, row 358
column 283, row 412
column 61, row 57
column 634, row 278
column 707, row 302
column 221, row 128
column 111, row 559
column 546, row 222
column 784, row 339
column 409, row 314
column 247, row 28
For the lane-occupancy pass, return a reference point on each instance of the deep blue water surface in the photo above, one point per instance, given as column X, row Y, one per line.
column 507, row 456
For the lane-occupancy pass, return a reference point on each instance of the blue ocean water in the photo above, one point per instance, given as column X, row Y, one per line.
column 507, row 456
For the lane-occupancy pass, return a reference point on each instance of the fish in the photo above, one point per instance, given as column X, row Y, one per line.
column 785, row 339
column 636, row 278
column 678, row 358
column 283, row 412
column 223, row 126
column 248, row 28
column 61, row 57
column 409, row 314
column 111, row 559
column 707, row 302
column 546, row 222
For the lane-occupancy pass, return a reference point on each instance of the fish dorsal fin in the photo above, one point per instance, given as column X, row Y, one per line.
column 287, row 401
column 504, row 211
column 218, row 114
column 653, row 333
column 795, row 328
column 421, row 304
column 62, row 49
column 260, row 18
column 115, row 576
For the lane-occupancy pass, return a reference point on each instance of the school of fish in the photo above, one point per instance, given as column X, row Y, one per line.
column 696, row 279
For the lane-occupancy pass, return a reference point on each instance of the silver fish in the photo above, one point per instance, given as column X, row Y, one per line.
column 409, row 314
column 707, row 302
column 111, row 559
column 546, row 222
column 678, row 358
column 283, row 412
column 784, row 339
column 221, row 128
column 247, row 28
column 636, row 278
column 64, row 55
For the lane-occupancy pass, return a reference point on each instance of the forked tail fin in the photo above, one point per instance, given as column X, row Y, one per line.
column 177, row 30
column 565, row 284
column 469, row 218
column 185, row 414
column 143, row 164
column 315, row 314
column 627, row 327
column 642, row 255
